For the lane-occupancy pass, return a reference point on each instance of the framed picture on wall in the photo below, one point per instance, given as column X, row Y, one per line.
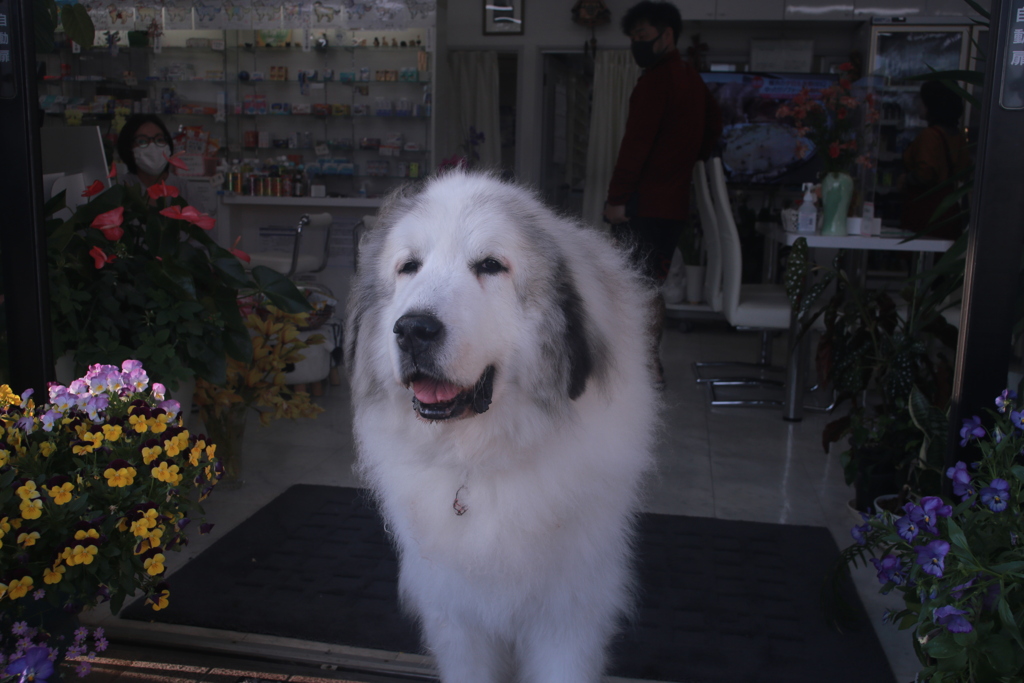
column 503, row 17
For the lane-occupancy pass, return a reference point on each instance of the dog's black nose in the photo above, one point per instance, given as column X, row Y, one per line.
column 417, row 332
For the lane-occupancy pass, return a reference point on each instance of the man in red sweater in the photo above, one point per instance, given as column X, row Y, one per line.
column 649, row 194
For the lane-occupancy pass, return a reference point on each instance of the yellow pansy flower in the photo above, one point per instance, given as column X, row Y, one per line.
column 80, row 554
column 31, row 509
column 61, row 494
column 155, row 564
column 120, row 477
column 158, row 424
column 19, row 588
column 211, row 450
column 8, row 397
column 150, row 453
column 112, row 432
column 5, row 525
column 159, row 601
column 27, row 491
column 83, row 534
column 28, row 538
column 138, row 423
column 5, row 456
column 167, row 473
column 47, row 448
column 55, row 574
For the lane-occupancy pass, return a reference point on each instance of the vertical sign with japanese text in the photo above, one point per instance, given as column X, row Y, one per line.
column 8, row 85
column 1011, row 93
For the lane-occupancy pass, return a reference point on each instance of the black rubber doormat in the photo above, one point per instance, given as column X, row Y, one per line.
column 721, row 601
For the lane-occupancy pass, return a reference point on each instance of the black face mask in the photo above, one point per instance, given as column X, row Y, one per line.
column 643, row 51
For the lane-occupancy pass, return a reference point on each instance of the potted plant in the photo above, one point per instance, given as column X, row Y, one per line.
column 97, row 487
column 831, row 118
column 258, row 383
column 873, row 352
column 958, row 563
column 134, row 274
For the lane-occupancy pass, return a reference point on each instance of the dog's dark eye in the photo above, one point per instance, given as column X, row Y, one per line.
column 490, row 266
column 409, row 267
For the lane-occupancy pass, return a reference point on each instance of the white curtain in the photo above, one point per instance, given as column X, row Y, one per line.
column 475, row 92
column 615, row 74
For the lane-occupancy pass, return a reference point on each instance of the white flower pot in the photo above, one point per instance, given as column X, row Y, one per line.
column 694, row 284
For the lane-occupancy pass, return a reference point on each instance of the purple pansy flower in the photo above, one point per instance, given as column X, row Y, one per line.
column 1017, row 418
column 932, row 557
column 889, row 569
column 927, row 514
column 34, row 666
column 958, row 591
column 961, row 480
column 952, row 618
column 996, row 495
column 907, row 528
column 972, row 429
column 1005, row 399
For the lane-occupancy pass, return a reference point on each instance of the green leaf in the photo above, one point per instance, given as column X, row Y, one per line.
column 116, row 601
column 1018, row 471
column 45, row 12
column 1008, row 567
column 78, row 24
column 956, row 535
column 942, row 646
column 281, row 291
column 999, row 652
column 1006, row 616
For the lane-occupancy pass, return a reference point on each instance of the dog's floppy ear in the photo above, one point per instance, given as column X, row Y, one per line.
column 578, row 348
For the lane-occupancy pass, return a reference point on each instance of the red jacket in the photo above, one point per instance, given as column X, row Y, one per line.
column 663, row 139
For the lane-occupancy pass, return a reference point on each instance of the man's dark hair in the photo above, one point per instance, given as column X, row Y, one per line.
column 944, row 106
column 660, row 15
column 126, row 138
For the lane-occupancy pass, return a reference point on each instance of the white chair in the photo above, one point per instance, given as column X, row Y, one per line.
column 300, row 261
column 760, row 307
column 713, row 272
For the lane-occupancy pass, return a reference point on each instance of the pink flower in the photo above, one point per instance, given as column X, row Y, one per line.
column 195, row 217
column 113, row 170
column 110, row 223
column 94, row 189
column 175, row 160
column 241, row 255
column 162, row 190
column 100, row 258
column 190, row 214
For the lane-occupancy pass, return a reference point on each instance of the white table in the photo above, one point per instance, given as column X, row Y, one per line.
column 883, row 242
column 793, row 410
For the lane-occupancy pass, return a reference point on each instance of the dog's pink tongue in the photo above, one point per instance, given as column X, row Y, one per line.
column 430, row 391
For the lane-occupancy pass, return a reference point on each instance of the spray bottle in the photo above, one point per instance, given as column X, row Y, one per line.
column 807, row 215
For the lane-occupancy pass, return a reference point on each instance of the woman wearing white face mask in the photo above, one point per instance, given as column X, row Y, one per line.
column 144, row 145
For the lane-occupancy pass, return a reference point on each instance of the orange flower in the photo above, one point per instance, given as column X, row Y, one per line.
column 94, row 189
column 162, row 189
column 101, row 259
column 109, row 222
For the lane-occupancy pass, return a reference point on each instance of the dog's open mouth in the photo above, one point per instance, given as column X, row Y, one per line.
column 437, row 399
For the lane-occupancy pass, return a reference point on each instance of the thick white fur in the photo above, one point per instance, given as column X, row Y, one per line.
column 529, row 584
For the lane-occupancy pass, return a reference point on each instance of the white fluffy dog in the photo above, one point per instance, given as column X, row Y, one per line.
column 504, row 412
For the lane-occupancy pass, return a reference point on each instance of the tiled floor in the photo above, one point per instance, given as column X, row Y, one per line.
column 730, row 463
